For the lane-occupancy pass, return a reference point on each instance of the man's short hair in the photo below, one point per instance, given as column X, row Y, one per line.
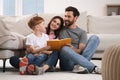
column 74, row 10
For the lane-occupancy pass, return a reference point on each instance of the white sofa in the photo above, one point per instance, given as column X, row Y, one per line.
column 107, row 28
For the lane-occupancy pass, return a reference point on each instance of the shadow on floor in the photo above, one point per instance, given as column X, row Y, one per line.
column 9, row 69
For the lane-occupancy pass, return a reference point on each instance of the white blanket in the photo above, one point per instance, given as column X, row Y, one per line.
column 5, row 34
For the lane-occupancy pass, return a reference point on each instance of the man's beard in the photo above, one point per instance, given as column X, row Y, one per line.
column 68, row 23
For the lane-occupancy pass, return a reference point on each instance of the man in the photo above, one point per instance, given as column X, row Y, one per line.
column 76, row 57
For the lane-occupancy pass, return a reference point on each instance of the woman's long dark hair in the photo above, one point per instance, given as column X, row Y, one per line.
column 58, row 30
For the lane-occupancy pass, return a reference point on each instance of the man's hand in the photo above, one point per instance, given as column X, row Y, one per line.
column 75, row 49
column 70, row 45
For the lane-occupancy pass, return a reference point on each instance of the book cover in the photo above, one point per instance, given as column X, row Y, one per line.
column 58, row 44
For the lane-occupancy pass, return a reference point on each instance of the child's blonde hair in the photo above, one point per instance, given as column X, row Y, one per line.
column 35, row 21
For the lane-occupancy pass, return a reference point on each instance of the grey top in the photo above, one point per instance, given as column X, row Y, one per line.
column 78, row 35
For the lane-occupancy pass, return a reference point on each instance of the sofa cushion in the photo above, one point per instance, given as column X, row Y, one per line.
column 82, row 21
column 5, row 34
column 104, row 25
column 107, row 40
column 17, row 43
column 17, row 23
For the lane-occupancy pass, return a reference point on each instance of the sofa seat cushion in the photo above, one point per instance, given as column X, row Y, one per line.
column 6, row 54
column 17, row 43
column 104, row 24
column 107, row 40
column 5, row 34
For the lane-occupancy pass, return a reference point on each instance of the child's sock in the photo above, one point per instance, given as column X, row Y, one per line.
column 22, row 65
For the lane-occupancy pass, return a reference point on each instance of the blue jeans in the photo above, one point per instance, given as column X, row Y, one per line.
column 36, row 60
column 50, row 60
column 69, row 58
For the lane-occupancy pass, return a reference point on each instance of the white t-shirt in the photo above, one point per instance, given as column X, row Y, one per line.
column 37, row 42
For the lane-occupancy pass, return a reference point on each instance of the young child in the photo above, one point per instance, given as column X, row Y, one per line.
column 36, row 45
column 53, row 29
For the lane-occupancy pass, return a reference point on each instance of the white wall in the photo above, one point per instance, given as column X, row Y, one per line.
column 93, row 7
column 113, row 1
column 1, row 7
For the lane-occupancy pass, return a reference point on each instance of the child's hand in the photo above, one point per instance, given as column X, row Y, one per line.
column 47, row 52
column 36, row 54
column 30, row 48
column 46, row 48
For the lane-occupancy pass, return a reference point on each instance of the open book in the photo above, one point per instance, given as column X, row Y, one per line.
column 58, row 44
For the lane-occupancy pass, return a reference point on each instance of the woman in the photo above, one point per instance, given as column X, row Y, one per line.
column 54, row 27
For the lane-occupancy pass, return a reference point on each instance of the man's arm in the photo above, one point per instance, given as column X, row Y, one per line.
column 80, row 49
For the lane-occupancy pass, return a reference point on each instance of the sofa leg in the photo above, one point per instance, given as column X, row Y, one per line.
column 4, row 61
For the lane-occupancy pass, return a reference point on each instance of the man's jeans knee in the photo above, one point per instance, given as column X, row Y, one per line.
column 91, row 47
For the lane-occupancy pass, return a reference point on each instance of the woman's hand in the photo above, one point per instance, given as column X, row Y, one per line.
column 51, row 37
